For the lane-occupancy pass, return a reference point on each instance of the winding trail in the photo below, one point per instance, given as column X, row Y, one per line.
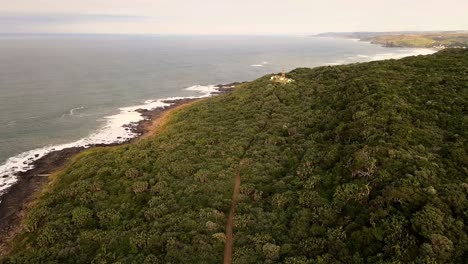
column 230, row 221
column 228, row 246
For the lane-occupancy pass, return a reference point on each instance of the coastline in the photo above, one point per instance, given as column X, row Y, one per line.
column 117, row 128
column 373, row 41
column 390, row 53
column 17, row 198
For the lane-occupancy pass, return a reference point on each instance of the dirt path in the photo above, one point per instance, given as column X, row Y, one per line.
column 235, row 196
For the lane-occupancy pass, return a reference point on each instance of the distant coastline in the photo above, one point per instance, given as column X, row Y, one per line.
column 19, row 193
column 120, row 127
column 407, row 39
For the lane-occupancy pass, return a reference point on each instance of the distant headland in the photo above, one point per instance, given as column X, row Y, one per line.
column 408, row 39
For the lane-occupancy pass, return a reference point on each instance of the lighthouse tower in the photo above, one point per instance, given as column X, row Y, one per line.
column 281, row 78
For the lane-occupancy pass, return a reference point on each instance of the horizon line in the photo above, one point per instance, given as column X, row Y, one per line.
column 229, row 34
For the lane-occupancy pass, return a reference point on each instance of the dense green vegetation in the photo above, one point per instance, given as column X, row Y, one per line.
column 431, row 40
column 363, row 163
column 443, row 39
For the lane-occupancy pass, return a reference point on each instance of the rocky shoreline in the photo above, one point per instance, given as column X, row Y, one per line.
column 15, row 201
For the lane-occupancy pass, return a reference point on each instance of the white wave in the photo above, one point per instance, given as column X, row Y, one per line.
column 73, row 111
column 262, row 64
column 334, row 63
column 383, row 56
column 405, row 53
column 115, row 130
column 204, row 91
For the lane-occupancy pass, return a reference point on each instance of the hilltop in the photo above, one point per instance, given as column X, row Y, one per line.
column 442, row 39
column 361, row 163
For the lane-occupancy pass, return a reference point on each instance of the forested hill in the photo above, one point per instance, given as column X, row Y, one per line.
column 442, row 39
column 362, row 163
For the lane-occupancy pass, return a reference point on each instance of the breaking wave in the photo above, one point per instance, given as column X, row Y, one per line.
column 117, row 129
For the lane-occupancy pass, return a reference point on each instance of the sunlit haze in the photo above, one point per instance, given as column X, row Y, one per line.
column 229, row 16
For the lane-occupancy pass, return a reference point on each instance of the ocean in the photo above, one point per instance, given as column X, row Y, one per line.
column 59, row 91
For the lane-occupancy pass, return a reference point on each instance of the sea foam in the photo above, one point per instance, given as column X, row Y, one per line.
column 115, row 130
column 383, row 56
column 260, row 65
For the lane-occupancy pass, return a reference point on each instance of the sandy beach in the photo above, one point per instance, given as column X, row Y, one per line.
column 23, row 193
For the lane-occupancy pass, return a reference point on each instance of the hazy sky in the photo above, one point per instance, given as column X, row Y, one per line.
column 229, row 16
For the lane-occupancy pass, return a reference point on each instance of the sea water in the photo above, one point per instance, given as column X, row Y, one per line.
column 60, row 91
